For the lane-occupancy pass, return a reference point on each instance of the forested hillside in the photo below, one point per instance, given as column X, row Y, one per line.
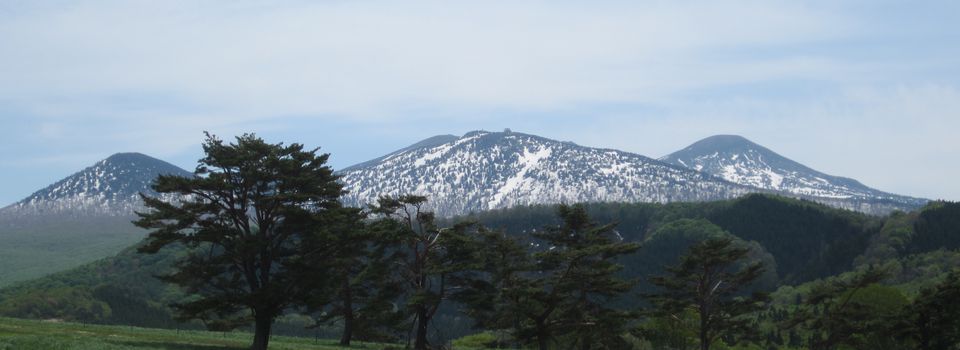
column 808, row 240
column 799, row 242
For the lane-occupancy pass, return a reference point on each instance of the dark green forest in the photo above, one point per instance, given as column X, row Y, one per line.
column 802, row 245
column 757, row 272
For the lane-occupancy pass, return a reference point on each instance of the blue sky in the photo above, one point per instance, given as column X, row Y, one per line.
column 863, row 89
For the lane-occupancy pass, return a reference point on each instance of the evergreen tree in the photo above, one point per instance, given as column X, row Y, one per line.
column 837, row 314
column 704, row 281
column 351, row 266
column 242, row 216
column 933, row 321
column 574, row 282
column 675, row 332
column 433, row 261
column 493, row 298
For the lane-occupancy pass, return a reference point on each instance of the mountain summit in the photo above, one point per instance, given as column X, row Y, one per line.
column 736, row 159
column 490, row 170
column 82, row 218
column 109, row 188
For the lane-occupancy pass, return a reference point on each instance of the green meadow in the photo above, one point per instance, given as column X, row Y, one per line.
column 18, row 334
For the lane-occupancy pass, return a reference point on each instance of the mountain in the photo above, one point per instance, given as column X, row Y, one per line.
column 489, row 170
column 736, row 159
column 81, row 218
column 108, row 188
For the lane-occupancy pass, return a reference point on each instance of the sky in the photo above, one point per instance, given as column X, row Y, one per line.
column 864, row 89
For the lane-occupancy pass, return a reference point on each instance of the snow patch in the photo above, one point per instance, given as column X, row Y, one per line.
column 730, row 173
column 527, row 161
column 434, row 153
column 776, row 180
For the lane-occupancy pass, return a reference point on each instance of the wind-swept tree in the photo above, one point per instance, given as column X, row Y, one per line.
column 433, row 259
column 242, row 216
column 707, row 281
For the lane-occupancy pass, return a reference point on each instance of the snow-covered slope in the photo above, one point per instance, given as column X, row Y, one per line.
column 739, row 160
column 489, row 170
column 107, row 188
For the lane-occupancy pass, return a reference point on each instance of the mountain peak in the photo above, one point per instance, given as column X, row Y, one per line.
column 723, row 143
column 739, row 160
column 433, row 141
column 484, row 170
column 108, row 187
column 129, row 156
column 475, row 133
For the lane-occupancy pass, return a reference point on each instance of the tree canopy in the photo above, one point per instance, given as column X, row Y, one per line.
column 708, row 281
column 242, row 216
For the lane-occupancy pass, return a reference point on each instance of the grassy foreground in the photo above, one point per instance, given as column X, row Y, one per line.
column 18, row 334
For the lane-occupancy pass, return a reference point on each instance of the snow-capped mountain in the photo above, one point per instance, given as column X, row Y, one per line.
column 489, row 170
column 741, row 161
column 108, row 188
column 82, row 218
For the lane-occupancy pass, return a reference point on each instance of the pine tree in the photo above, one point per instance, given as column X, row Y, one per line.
column 434, row 261
column 350, row 267
column 241, row 216
column 493, row 298
column 574, row 282
column 704, row 281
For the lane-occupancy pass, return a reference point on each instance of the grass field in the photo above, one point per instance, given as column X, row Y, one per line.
column 17, row 334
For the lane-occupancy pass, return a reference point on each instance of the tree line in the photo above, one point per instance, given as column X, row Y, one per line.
column 266, row 234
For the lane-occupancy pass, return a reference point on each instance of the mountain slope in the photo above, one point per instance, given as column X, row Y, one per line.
column 741, row 161
column 489, row 170
column 107, row 188
column 81, row 218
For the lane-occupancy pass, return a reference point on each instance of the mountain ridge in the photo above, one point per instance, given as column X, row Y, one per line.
column 484, row 170
column 735, row 158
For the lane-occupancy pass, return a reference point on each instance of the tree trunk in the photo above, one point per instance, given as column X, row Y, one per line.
column 421, row 341
column 585, row 337
column 348, row 322
column 261, row 335
column 516, row 333
column 347, row 331
column 542, row 343
column 924, row 340
column 704, row 317
column 542, row 336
